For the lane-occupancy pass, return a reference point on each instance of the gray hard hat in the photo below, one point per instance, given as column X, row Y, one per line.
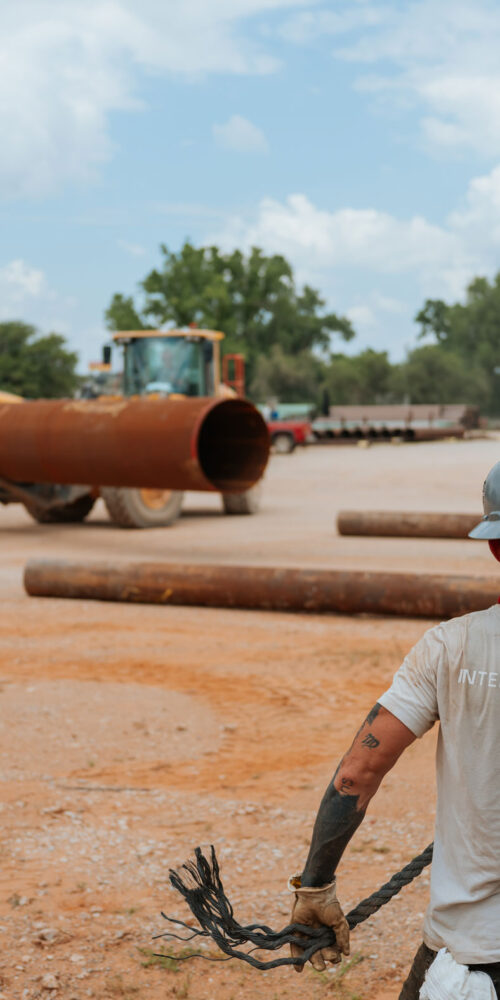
column 489, row 527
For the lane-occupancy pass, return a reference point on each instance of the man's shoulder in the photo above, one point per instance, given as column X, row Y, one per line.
column 454, row 632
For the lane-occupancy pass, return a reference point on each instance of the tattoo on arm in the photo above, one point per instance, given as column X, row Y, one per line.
column 372, row 714
column 345, row 785
column 367, row 722
column 370, row 741
column 337, row 820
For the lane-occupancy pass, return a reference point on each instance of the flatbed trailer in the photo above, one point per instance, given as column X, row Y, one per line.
column 420, row 422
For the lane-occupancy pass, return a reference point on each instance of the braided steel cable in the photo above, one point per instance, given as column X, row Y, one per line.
column 200, row 884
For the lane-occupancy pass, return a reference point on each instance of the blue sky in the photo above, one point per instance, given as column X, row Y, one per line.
column 360, row 139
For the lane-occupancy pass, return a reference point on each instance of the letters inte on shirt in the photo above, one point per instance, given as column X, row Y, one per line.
column 477, row 676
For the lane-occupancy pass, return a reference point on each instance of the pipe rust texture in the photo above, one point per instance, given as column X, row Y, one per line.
column 413, row 595
column 404, row 524
column 180, row 444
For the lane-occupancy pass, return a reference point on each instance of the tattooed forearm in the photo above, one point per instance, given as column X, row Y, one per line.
column 338, row 818
column 339, row 815
column 377, row 746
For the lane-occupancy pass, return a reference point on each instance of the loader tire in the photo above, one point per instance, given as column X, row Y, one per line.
column 70, row 513
column 242, row 503
column 134, row 508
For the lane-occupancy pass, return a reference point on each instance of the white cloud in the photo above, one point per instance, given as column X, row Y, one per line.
column 350, row 248
column 467, row 112
column 306, row 26
column 25, row 293
column 134, row 249
column 318, row 241
column 387, row 304
column 438, row 56
column 478, row 219
column 375, row 319
column 66, row 66
column 19, row 281
column 240, row 135
column 362, row 317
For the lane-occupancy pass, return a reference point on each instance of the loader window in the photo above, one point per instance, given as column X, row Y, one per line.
column 167, row 365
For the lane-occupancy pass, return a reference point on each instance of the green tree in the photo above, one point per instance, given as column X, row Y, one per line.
column 287, row 378
column 471, row 331
column 362, row 378
column 34, row 366
column 432, row 374
column 252, row 298
column 121, row 314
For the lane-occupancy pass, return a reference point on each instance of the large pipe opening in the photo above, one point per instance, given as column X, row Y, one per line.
column 233, row 446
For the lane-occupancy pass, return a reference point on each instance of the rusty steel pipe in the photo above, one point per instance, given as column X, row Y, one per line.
column 433, row 433
column 404, row 524
column 179, row 444
column 272, row 589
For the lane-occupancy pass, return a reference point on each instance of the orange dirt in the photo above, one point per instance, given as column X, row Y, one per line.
column 130, row 734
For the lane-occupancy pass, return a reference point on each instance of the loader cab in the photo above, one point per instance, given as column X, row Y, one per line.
column 170, row 363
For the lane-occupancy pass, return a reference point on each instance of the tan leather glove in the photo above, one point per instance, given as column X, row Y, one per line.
column 316, row 907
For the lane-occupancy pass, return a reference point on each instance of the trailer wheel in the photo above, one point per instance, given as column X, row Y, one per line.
column 242, row 503
column 283, row 443
column 70, row 513
column 134, row 508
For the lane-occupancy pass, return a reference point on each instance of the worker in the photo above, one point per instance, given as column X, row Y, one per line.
column 451, row 675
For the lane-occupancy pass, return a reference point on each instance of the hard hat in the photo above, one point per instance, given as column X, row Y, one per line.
column 489, row 527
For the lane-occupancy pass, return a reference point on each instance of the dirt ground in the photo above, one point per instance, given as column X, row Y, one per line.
column 130, row 734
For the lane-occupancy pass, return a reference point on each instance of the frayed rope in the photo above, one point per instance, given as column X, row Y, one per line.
column 200, row 884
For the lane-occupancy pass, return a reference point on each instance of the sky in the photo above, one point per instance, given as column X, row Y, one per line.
column 361, row 139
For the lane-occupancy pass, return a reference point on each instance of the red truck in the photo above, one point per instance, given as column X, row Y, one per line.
column 287, row 434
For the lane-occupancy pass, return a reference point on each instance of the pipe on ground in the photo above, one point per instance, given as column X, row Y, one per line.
column 403, row 524
column 179, row 444
column 414, row 595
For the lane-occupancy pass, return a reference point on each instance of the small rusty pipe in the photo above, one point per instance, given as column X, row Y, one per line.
column 433, row 433
column 411, row 594
column 404, row 524
column 179, row 444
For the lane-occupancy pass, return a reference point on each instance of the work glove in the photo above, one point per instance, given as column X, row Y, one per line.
column 316, row 907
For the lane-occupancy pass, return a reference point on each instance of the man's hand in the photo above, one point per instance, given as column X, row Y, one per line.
column 316, row 907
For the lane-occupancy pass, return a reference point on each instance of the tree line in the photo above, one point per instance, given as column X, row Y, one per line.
column 289, row 339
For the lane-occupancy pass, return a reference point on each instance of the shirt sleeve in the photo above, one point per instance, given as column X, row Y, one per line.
column 412, row 696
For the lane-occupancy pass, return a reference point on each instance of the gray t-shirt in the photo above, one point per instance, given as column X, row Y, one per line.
column 453, row 674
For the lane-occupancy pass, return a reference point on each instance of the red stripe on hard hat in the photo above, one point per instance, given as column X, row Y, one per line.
column 494, row 544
